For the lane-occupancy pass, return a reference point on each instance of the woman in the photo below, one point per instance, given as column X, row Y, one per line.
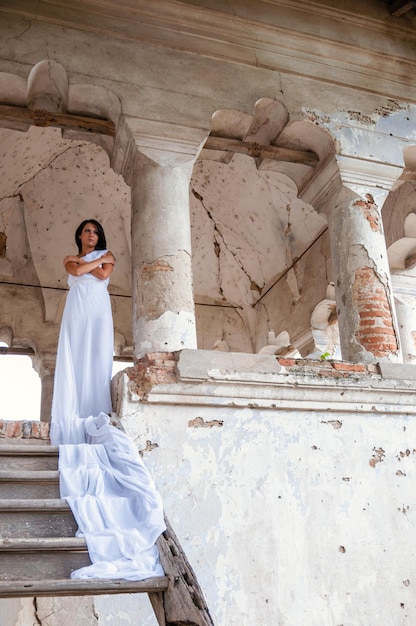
column 102, row 476
column 85, row 349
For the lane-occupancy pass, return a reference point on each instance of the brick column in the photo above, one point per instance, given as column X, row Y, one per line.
column 163, row 303
column 367, row 325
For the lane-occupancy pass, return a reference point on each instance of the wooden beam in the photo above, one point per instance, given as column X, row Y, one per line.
column 183, row 601
column 400, row 7
column 22, row 351
column 67, row 587
column 255, row 150
column 38, row 117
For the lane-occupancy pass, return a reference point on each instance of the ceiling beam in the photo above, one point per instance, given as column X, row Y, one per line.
column 255, row 150
column 400, row 7
column 36, row 117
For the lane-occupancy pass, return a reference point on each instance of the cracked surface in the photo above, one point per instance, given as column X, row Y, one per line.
column 48, row 185
column 248, row 229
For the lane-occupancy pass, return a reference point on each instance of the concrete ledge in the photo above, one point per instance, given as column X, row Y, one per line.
column 400, row 371
column 216, row 365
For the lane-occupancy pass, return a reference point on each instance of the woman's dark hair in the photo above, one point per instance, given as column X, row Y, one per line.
column 101, row 243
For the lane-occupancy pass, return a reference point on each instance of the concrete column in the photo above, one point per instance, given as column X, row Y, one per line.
column 44, row 365
column 404, row 287
column 367, row 325
column 163, row 302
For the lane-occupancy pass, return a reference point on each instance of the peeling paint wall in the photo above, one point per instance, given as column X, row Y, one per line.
column 248, row 229
column 288, row 515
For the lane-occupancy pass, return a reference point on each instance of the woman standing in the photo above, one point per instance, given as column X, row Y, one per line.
column 102, row 476
column 86, row 340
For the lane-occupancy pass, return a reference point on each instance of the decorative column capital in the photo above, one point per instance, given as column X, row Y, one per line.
column 364, row 177
column 165, row 144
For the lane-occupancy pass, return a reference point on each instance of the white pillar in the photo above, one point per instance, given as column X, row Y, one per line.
column 404, row 287
column 163, row 302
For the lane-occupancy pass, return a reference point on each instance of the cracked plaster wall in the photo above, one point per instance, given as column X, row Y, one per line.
column 248, row 228
column 287, row 516
column 112, row 610
column 48, row 185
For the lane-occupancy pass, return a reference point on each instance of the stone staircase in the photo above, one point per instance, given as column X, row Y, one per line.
column 39, row 550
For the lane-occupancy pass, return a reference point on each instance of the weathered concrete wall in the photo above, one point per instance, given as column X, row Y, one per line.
column 290, row 487
column 248, row 228
column 123, row 610
column 48, row 186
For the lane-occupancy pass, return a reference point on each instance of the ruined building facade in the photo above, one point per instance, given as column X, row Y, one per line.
column 253, row 165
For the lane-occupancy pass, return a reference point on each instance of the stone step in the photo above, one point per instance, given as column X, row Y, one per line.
column 36, row 518
column 29, row 484
column 37, row 559
column 24, row 457
column 64, row 587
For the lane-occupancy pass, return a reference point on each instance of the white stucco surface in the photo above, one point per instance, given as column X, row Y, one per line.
column 292, row 495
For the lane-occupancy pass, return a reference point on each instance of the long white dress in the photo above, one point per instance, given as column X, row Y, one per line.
column 85, row 356
column 102, row 476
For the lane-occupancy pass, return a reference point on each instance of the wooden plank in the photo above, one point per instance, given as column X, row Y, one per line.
column 17, row 351
column 47, row 565
column 37, row 117
column 17, row 456
column 24, row 588
column 158, row 605
column 42, row 544
column 36, row 518
column 29, row 491
column 19, row 476
column 184, row 602
column 401, row 7
column 44, row 504
column 255, row 150
column 29, row 485
column 28, row 450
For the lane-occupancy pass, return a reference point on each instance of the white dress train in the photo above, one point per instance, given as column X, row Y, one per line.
column 102, row 476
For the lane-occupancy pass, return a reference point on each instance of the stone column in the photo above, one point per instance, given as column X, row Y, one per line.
column 163, row 303
column 44, row 365
column 367, row 325
column 404, row 287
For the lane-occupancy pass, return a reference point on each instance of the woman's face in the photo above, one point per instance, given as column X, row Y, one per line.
column 89, row 236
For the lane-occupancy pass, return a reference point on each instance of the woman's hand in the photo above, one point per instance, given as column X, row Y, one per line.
column 108, row 257
column 107, row 262
column 72, row 258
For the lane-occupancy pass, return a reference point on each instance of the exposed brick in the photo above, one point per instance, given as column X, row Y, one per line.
column 330, row 373
column 286, row 362
column 349, row 367
column 13, row 429
column 375, row 327
column 44, row 430
column 377, row 339
column 24, row 430
column 152, row 369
